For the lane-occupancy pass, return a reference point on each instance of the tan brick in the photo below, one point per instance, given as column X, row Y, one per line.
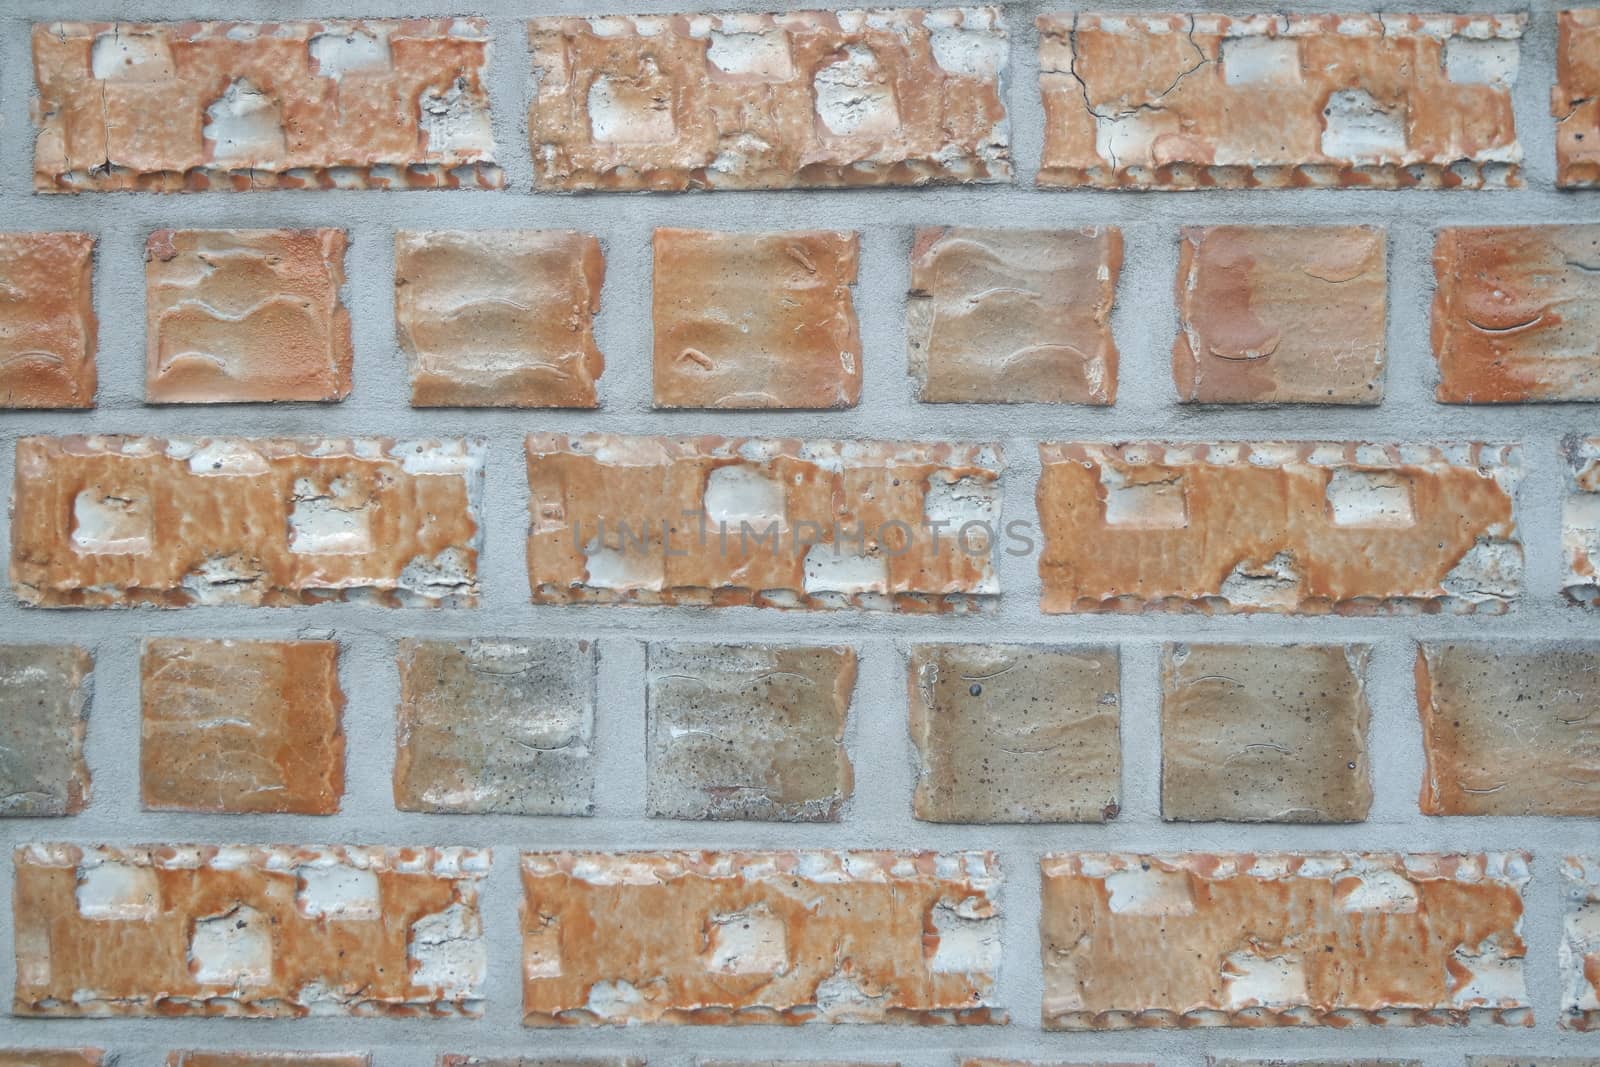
column 173, row 106
column 814, row 524
column 115, row 521
column 235, row 316
column 44, row 709
column 496, row 725
column 248, row 930
column 1015, row 733
column 756, row 320
column 52, row 1057
column 1264, row 733
column 1302, row 527
column 1160, row 101
column 747, row 731
column 267, row 1059
column 241, row 726
column 1575, row 99
column 1580, row 945
column 499, row 318
column 1282, row 939
column 759, row 937
column 1281, row 315
column 47, row 325
column 799, row 99
column 1013, row 316
column 1580, row 520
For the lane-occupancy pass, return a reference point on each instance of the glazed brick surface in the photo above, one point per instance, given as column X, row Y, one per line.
column 1580, row 947
column 48, row 330
column 1575, row 99
column 44, row 707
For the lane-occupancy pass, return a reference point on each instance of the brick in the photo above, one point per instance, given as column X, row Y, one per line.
column 1162, row 101
column 1013, row 316
column 248, row 931
column 747, row 731
column 1282, row 939
column 176, row 106
column 267, row 1059
column 1015, row 733
column 1264, row 733
column 1300, row 527
column 802, row 99
column 812, row 524
column 1580, row 944
column 1515, row 313
column 1575, row 99
column 48, row 328
column 44, row 709
column 119, row 521
column 496, row 725
column 1580, row 520
column 52, row 1057
column 790, row 937
column 237, row 316
column 1281, row 315
column 241, row 726
column 499, row 318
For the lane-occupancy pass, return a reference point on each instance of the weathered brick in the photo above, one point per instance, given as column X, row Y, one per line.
column 1302, row 527
column 47, row 325
column 1015, row 733
column 1264, row 733
column 1575, row 99
column 748, row 731
column 798, row 99
column 117, row 521
column 248, row 930
column 173, row 106
column 1516, row 311
column 499, row 318
column 814, row 524
column 1580, row 945
column 44, row 708
column 52, row 1057
column 241, row 726
column 496, row 725
column 756, row 320
column 759, row 937
column 1013, row 316
column 1162, row 101
column 234, row 316
column 197, row 1058
column 1580, row 520
column 1282, row 939
column 1281, row 315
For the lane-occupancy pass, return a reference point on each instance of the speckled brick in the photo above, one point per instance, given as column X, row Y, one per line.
column 1575, row 99
column 44, row 708
column 1580, row 521
column 1580, row 943
column 48, row 329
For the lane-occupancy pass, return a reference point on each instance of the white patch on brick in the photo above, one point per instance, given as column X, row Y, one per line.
column 969, row 53
column 447, row 952
column 829, row 571
column 455, row 122
column 1496, row 978
column 1149, row 504
column 614, row 1000
column 1369, row 498
column 1356, row 130
column 1260, row 60
column 631, row 110
column 1482, row 62
column 1490, row 571
column 1150, row 891
column 737, row 493
column 337, row 891
column 752, row 941
column 762, row 55
column 853, row 97
column 131, row 57
column 967, row 943
column 233, row 949
column 1255, row 979
column 1378, row 891
column 627, row 567
column 118, row 891
column 245, row 126
column 336, row 522
column 106, row 524
column 356, row 52
column 1274, row 583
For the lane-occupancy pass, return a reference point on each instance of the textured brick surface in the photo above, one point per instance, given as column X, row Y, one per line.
column 48, row 329
column 1580, row 520
column 762, row 101
column 1158, row 101
column 242, row 105
column 1282, row 939
column 248, row 930
column 1575, row 99
column 1284, row 527
column 44, row 708
column 1580, row 945
column 759, row 937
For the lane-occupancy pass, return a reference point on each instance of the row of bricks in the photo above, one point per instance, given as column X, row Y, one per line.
column 808, row 99
column 1267, row 315
column 188, row 1058
column 793, row 936
column 1002, row 733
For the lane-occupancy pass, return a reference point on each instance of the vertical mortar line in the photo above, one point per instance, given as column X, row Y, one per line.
column 1146, row 320
column 16, row 96
column 879, row 815
column 382, row 388
column 1141, row 735
column 1394, row 737
column 624, row 328
column 1016, row 564
column 369, row 676
column 879, row 296
column 1023, row 103
column 1530, row 97
column 620, row 694
column 1021, row 980
column 113, row 746
column 1413, row 372
column 1542, row 931
column 119, row 302
column 510, row 85
column 500, row 904
column 1540, row 502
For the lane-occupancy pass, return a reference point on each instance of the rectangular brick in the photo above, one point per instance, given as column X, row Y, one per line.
column 759, row 937
column 801, row 99
column 1013, row 316
column 1301, row 527
column 182, row 106
column 117, row 521
column 1282, row 939
column 1580, row 944
column 756, row 320
column 1159, row 101
column 241, row 726
column 248, row 930
column 48, row 329
column 1575, row 99
column 1580, row 520
column 242, row 316
column 44, row 711
column 1281, row 315
column 52, row 1057
column 1516, row 312
column 774, row 523
column 198, row 1058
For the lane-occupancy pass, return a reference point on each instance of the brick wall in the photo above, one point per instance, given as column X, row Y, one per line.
column 468, row 735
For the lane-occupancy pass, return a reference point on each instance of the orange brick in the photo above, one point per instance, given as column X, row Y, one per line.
column 1580, row 946
column 47, row 323
column 1580, row 520
column 1158, row 101
column 1575, row 99
column 759, row 937
column 248, row 930
column 1282, row 939
column 1301, row 527
column 800, row 99
column 173, row 106
column 267, row 1059
column 115, row 521
column 235, row 316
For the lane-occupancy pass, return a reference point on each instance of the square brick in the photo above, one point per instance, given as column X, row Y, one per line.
column 44, row 707
column 47, row 322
